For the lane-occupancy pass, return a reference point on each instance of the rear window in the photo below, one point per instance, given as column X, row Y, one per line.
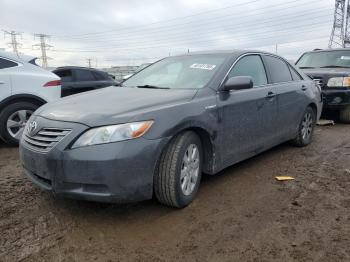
column 278, row 69
column 100, row 76
column 65, row 75
column 4, row 63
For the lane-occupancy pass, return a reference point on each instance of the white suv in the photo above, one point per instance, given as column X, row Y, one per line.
column 24, row 87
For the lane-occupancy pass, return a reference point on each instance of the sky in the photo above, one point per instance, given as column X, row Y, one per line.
column 115, row 32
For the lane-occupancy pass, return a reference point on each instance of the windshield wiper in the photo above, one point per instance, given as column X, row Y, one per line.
column 152, row 87
column 305, row 67
column 334, row 66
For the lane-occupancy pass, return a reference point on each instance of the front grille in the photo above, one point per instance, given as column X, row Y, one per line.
column 45, row 139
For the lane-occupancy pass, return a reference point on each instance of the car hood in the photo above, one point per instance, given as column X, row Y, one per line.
column 112, row 105
column 328, row 72
column 322, row 75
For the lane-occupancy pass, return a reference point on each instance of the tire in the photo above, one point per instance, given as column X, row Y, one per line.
column 169, row 185
column 345, row 115
column 9, row 112
column 301, row 139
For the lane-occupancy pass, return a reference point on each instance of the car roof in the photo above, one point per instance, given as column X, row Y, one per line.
column 22, row 57
column 328, row 50
column 77, row 67
column 234, row 52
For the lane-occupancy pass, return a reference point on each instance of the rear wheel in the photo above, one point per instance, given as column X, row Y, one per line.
column 179, row 172
column 13, row 119
column 345, row 115
column 306, row 128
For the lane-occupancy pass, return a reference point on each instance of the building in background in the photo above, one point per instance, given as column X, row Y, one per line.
column 120, row 71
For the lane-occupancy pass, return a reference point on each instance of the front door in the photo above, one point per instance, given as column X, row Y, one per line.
column 247, row 116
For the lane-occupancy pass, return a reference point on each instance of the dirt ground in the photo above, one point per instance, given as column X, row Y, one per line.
column 243, row 214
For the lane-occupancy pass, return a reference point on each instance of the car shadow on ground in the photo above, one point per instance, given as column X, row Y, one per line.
column 79, row 208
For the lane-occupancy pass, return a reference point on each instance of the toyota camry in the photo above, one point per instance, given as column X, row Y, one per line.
column 166, row 125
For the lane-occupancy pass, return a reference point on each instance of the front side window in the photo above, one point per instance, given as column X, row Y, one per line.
column 278, row 69
column 325, row 59
column 189, row 72
column 4, row 63
column 84, row 75
column 252, row 66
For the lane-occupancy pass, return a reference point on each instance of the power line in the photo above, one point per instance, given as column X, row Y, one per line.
column 215, row 27
column 274, row 9
column 198, row 39
column 43, row 47
column 14, row 43
column 164, row 21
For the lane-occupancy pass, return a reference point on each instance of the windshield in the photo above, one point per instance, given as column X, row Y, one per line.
column 325, row 59
column 192, row 71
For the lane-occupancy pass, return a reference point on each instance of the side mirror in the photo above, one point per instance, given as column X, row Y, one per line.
column 238, row 83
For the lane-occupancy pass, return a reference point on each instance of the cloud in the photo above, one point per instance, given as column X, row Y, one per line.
column 133, row 32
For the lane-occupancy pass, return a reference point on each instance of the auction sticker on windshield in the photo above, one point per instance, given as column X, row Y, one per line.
column 203, row 66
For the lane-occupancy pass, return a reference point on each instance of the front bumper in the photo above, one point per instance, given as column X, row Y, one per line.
column 336, row 99
column 115, row 172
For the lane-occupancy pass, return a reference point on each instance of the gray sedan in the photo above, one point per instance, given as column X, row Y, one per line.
column 166, row 125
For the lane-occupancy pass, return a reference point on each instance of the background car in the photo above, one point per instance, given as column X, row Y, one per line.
column 81, row 79
column 24, row 87
column 167, row 124
column 330, row 68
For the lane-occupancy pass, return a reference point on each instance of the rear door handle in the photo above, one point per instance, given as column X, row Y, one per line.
column 270, row 95
column 304, row 87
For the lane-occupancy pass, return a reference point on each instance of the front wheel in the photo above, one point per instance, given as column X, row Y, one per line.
column 179, row 172
column 306, row 128
column 13, row 119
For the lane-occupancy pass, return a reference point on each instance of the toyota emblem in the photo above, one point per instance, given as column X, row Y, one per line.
column 31, row 127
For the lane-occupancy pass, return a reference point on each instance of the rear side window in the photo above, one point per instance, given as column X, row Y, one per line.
column 65, row 75
column 4, row 63
column 295, row 74
column 252, row 66
column 100, row 76
column 84, row 75
column 278, row 69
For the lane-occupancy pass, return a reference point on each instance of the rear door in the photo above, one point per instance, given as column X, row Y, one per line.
column 5, row 79
column 289, row 88
column 247, row 115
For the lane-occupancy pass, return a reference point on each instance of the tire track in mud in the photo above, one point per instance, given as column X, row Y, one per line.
column 241, row 215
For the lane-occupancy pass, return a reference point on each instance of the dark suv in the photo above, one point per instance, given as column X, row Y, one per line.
column 80, row 79
column 331, row 70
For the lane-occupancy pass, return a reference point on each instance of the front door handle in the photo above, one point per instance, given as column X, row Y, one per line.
column 1, row 83
column 270, row 95
column 304, row 87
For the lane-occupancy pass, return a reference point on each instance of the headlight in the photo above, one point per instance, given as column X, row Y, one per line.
column 339, row 82
column 115, row 133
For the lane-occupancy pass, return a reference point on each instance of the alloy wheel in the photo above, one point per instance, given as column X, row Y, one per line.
column 190, row 169
column 307, row 126
column 17, row 122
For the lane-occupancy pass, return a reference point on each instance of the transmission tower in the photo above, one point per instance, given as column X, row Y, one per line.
column 340, row 36
column 43, row 47
column 14, row 43
column 89, row 62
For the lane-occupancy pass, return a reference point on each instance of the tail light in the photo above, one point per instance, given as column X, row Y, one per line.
column 53, row 83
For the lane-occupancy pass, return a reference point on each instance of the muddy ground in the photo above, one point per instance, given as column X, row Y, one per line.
column 243, row 214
